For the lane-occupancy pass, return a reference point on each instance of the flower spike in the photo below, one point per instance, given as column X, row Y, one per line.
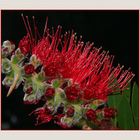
column 72, row 78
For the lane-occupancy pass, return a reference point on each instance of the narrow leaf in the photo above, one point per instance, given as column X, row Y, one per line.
column 135, row 104
column 125, row 116
column 127, row 93
column 114, row 101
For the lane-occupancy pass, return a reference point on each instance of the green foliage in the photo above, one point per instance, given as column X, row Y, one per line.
column 114, row 102
column 125, row 116
column 127, row 107
column 135, row 103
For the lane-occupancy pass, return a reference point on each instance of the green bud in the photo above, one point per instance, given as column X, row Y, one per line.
column 6, row 66
column 29, row 97
column 26, row 86
column 56, row 83
column 7, row 48
column 93, row 106
column 67, row 120
column 18, row 57
column 41, row 76
column 35, row 61
column 77, row 114
column 7, row 81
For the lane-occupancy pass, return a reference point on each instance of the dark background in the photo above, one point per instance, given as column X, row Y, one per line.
column 116, row 31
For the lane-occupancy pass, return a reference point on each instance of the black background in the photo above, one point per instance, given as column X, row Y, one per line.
column 116, row 31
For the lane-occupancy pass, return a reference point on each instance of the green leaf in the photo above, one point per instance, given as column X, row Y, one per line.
column 135, row 104
column 127, row 92
column 114, row 100
column 125, row 116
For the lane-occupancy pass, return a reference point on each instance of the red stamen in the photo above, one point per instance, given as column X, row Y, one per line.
column 45, row 28
column 25, row 24
column 30, row 31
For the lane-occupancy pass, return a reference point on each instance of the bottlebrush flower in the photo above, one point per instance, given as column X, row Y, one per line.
column 68, row 73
